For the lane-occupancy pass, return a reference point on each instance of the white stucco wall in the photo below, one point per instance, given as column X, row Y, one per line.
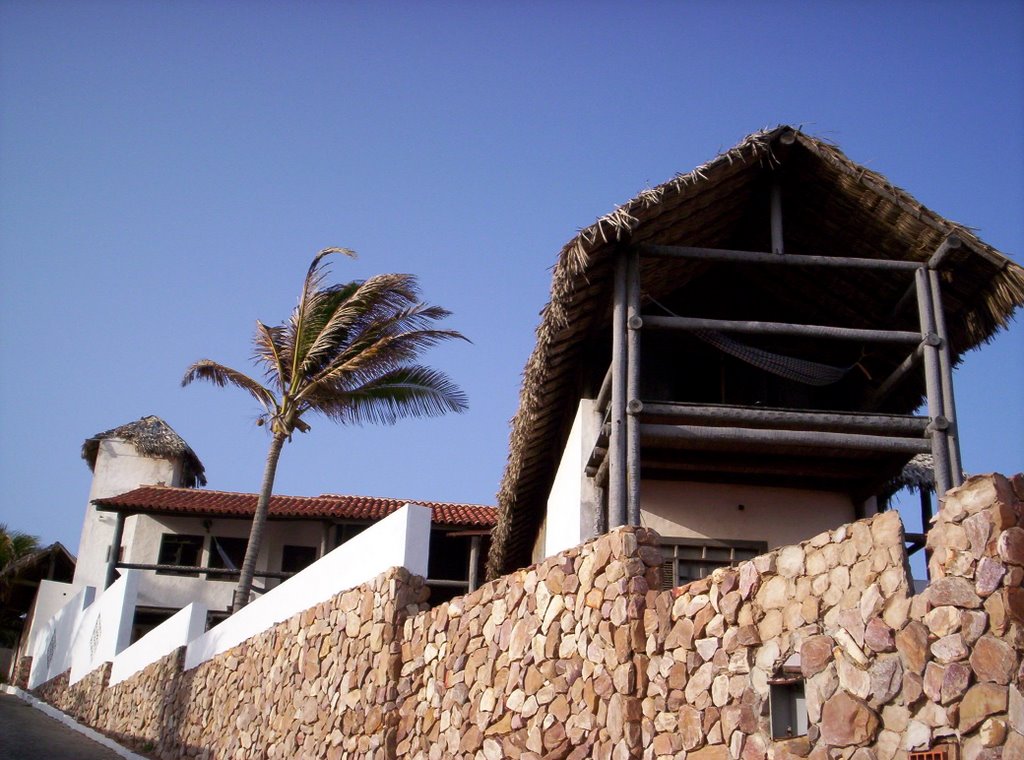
column 105, row 627
column 177, row 631
column 52, row 643
column 176, row 591
column 562, row 522
column 778, row 516
column 682, row 509
column 119, row 468
column 402, row 539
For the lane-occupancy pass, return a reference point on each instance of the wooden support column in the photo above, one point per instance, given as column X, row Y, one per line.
column 474, row 563
column 325, row 537
column 115, row 550
column 933, row 383
column 633, row 405
column 776, row 220
column 926, row 517
column 617, row 438
column 956, row 470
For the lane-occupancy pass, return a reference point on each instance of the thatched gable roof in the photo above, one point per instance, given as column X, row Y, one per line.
column 151, row 437
column 832, row 206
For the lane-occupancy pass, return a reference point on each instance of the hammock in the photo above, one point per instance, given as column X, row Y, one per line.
column 789, row 367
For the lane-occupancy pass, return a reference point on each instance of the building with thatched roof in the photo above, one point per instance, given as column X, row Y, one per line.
column 146, row 512
column 735, row 358
column 145, row 451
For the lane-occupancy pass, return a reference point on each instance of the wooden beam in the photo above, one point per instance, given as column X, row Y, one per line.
column 115, row 550
column 617, row 443
column 878, row 397
column 776, row 217
column 837, row 469
column 693, row 324
column 784, row 418
column 474, row 561
column 956, row 470
column 633, row 325
column 933, row 383
column 951, row 243
column 696, row 437
column 758, row 257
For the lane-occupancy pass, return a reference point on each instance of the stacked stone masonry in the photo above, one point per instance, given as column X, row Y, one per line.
column 582, row 656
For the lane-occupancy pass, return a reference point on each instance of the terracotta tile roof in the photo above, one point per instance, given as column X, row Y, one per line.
column 196, row 501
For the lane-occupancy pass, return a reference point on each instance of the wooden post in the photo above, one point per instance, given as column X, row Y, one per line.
column 926, row 517
column 776, row 221
column 634, row 323
column 933, row 383
column 617, row 442
column 956, row 469
column 325, row 538
column 474, row 562
column 115, row 550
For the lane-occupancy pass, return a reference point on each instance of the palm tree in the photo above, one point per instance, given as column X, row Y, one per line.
column 347, row 352
column 14, row 545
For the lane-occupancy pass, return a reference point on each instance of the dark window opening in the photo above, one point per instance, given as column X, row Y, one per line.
column 344, row 531
column 296, row 558
column 179, row 549
column 148, row 618
column 689, row 560
column 228, row 553
column 788, row 707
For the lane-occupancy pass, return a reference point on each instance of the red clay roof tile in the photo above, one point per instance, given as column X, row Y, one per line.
column 196, row 501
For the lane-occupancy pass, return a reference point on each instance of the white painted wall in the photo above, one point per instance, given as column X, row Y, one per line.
column 681, row 509
column 50, row 597
column 402, row 539
column 176, row 591
column 572, row 502
column 779, row 516
column 119, row 468
column 105, row 628
column 177, row 631
column 51, row 647
column 562, row 524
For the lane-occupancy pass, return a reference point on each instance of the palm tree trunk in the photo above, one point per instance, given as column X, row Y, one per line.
column 259, row 520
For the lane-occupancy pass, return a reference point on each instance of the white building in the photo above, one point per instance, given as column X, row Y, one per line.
column 190, row 541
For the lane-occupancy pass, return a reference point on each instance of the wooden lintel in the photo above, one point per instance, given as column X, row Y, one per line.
column 698, row 437
column 783, row 418
column 759, row 257
column 693, row 324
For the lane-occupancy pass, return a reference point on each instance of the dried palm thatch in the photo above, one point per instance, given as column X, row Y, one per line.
column 833, row 207
column 151, row 437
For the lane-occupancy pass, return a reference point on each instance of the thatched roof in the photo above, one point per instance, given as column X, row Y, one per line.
column 832, row 206
column 151, row 437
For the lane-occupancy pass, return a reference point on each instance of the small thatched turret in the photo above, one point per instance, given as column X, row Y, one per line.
column 151, row 436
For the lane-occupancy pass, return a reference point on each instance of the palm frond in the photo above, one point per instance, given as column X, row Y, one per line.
column 310, row 299
column 341, row 319
column 375, row 356
column 273, row 351
column 413, row 391
column 218, row 374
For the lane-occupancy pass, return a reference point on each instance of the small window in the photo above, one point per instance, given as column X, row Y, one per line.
column 787, row 702
column 228, row 553
column 296, row 558
column 689, row 560
column 179, row 550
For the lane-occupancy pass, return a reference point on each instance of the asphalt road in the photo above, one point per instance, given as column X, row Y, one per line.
column 29, row 734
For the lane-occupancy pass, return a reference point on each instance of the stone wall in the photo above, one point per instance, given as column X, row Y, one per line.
column 582, row 656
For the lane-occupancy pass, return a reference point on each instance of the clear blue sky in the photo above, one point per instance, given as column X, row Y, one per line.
column 167, row 169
